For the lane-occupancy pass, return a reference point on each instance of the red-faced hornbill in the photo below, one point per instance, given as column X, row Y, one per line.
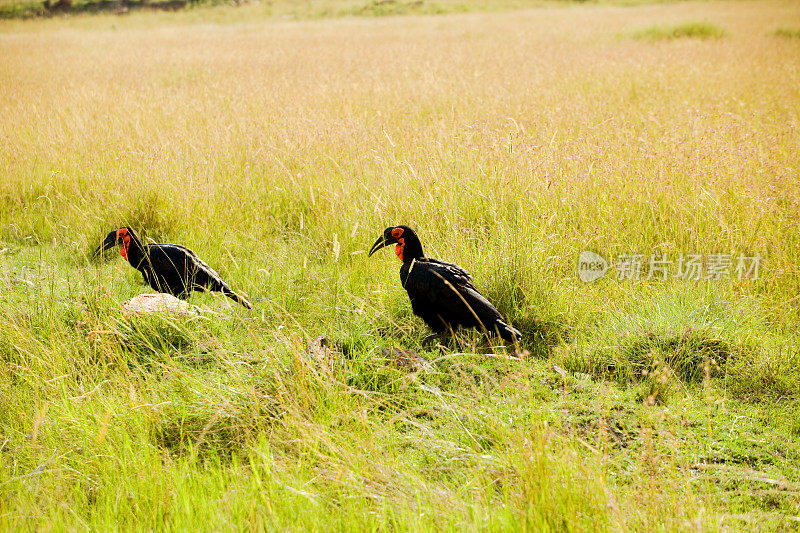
column 168, row 268
column 442, row 294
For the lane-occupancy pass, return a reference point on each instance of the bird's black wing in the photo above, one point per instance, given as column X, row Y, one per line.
column 194, row 273
column 455, row 273
column 168, row 268
column 443, row 295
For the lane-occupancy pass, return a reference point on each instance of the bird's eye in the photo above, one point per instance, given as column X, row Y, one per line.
column 397, row 232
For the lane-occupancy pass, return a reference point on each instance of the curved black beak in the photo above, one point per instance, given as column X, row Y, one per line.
column 380, row 243
column 109, row 242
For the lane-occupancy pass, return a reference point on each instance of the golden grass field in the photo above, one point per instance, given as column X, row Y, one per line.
column 279, row 148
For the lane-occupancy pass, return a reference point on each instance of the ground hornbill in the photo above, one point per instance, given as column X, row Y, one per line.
column 441, row 293
column 168, row 268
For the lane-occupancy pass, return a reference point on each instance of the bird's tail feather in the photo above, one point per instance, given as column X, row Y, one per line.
column 507, row 333
column 238, row 298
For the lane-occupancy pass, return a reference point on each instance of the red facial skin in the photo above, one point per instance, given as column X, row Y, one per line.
column 126, row 242
column 398, row 249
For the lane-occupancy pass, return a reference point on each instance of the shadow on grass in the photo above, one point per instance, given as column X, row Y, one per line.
column 657, row 357
column 690, row 355
column 540, row 336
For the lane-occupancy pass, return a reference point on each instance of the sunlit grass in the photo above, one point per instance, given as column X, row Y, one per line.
column 278, row 150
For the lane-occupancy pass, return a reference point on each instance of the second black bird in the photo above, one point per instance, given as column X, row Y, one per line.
column 441, row 294
column 168, row 268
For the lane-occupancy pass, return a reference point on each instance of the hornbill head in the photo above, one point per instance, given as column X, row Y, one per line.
column 121, row 237
column 407, row 243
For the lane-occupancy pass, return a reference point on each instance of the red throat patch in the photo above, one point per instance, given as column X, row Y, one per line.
column 398, row 249
column 126, row 243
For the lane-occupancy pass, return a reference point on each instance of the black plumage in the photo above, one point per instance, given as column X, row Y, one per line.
column 442, row 294
column 168, row 268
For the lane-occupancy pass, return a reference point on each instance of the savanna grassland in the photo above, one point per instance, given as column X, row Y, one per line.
column 279, row 149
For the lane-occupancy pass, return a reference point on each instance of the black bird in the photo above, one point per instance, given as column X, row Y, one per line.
column 442, row 294
column 169, row 268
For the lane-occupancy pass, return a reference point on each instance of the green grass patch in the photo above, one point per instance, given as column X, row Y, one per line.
column 692, row 30
column 788, row 33
column 22, row 10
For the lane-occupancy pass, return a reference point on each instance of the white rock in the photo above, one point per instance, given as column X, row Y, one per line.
column 166, row 304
